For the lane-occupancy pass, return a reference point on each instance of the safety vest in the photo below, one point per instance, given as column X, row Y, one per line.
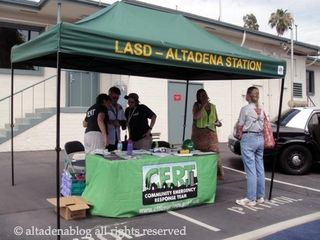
column 207, row 120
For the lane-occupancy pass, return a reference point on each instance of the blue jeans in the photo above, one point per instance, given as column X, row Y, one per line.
column 252, row 157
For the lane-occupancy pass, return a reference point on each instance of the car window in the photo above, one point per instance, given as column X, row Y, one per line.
column 314, row 127
column 286, row 116
column 314, row 120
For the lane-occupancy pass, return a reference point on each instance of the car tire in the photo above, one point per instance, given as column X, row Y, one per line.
column 296, row 160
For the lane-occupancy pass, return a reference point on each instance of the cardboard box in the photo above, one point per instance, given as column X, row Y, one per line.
column 72, row 207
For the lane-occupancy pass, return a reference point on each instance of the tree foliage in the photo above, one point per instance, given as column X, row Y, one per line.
column 250, row 22
column 282, row 20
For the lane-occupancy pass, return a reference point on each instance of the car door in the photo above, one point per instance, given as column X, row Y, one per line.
column 314, row 128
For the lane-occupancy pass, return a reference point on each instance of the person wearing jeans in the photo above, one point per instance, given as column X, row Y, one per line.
column 250, row 123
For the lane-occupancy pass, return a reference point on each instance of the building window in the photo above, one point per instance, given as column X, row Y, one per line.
column 11, row 35
column 310, row 83
column 297, row 90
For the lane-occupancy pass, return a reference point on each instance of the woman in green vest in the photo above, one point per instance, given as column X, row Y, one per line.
column 205, row 121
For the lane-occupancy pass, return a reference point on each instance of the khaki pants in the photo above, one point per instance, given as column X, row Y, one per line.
column 144, row 143
column 93, row 140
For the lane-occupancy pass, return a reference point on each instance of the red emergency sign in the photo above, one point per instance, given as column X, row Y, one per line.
column 177, row 97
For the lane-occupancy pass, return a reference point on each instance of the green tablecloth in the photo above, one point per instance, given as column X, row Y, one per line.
column 125, row 188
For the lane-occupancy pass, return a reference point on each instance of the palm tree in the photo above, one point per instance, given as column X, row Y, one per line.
column 282, row 20
column 250, row 21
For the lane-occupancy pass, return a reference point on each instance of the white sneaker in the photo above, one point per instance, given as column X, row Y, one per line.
column 260, row 200
column 246, row 202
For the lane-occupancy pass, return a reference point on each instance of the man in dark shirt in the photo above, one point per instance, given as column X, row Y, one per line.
column 137, row 116
column 96, row 119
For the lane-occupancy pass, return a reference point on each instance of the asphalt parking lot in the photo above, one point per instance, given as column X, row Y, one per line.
column 25, row 213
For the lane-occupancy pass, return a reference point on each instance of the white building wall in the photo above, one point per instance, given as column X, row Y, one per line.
column 220, row 94
column 43, row 135
column 300, row 75
column 42, row 95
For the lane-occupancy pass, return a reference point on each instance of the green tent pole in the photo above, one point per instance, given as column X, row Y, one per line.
column 185, row 111
column 12, row 125
column 274, row 160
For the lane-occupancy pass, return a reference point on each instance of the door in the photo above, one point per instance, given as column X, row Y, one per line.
column 176, row 102
column 82, row 88
column 314, row 128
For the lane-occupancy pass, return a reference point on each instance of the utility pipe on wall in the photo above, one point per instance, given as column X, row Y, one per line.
column 59, row 11
column 243, row 37
column 292, row 67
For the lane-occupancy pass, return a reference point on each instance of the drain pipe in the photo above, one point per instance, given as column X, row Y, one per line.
column 59, row 11
column 292, row 70
column 313, row 62
column 243, row 38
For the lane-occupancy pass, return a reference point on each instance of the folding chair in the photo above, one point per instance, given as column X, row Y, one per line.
column 71, row 163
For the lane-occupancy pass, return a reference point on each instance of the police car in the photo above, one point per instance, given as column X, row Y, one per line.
column 298, row 143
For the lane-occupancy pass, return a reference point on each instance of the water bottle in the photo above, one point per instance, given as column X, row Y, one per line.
column 119, row 146
column 129, row 147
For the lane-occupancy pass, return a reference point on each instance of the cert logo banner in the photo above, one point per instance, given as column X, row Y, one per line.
column 169, row 182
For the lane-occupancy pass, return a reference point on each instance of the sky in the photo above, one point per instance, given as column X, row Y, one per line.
column 305, row 13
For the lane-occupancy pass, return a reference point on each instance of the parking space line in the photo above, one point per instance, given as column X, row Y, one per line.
column 277, row 227
column 189, row 219
column 277, row 181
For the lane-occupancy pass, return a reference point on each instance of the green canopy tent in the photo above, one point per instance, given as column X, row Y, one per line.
column 128, row 39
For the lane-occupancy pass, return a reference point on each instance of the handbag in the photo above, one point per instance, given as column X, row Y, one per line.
column 269, row 141
column 237, row 132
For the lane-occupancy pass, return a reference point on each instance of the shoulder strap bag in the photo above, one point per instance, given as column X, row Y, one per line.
column 269, row 142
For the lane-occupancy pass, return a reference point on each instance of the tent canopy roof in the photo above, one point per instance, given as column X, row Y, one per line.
column 128, row 39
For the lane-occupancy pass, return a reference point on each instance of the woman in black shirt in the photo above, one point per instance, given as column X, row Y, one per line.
column 96, row 136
